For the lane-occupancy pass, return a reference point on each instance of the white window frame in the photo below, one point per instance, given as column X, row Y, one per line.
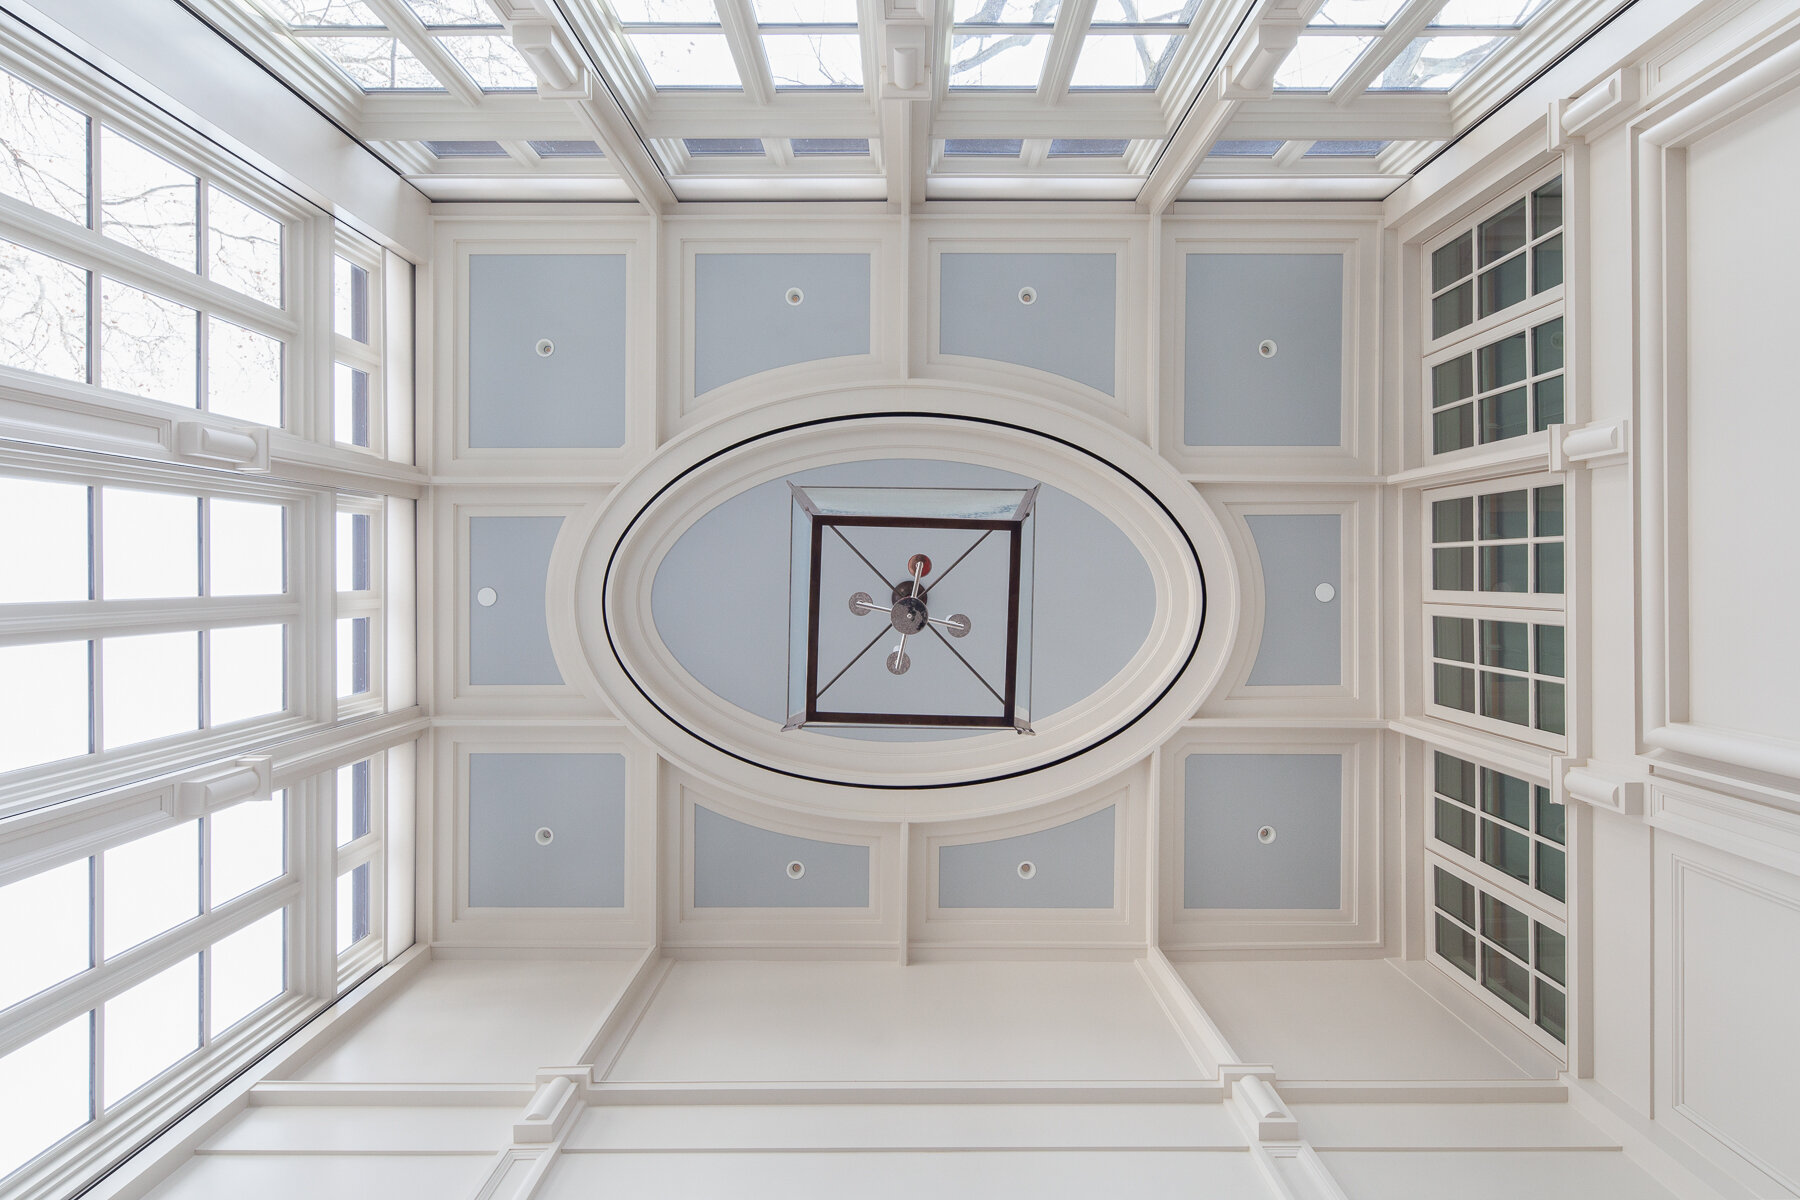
column 368, row 952
column 1548, row 602
column 1538, row 915
column 1557, row 742
column 1487, row 876
column 370, row 604
column 367, row 357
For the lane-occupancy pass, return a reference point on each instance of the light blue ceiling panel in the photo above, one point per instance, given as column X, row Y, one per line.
column 1302, row 633
column 509, row 639
column 578, row 798
column 1264, row 350
column 741, row 866
column 1071, row 866
column 1230, row 798
column 1066, row 329
column 574, row 396
column 744, row 321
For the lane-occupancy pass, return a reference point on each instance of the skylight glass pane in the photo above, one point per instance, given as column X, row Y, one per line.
column 150, row 688
column 44, row 707
column 148, row 345
column 46, row 142
column 245, row 548
column 43, row 930
column 247, row 847
column 1145, row 12
column 316, row 13
column 151, row 1028
column 566, row 148
column 243, row 247
column 248, row 971
column 43, row 541
column 454, row 12
column 983, row 147
column 805, row 12
column 149, row 545
column 1436, row 64
column 248, row 672
column 491, row 62
column 723, row 147
column 822, row 147
column 1509, row 13
column 997, row 60
column 1358, row 12
column 1319, row 62
column 666, row 12
column 377, row 64
column 147, row 202
column 1088, row 147
column 44, row 1090
column 1345, row 149
column 814, row 60
column 243, row 373
column 43, row 314
column 150, row 885
column 466, row 149
column 1123, row 60
column 1006, row 12
column 686, row 60
column 1242, row 149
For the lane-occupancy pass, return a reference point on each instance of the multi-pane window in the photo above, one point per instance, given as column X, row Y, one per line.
column 1462, row 35
column 359, row 791
column 356, row 379
column 1501, row 821
column 810, row 43
column 460, row 38
column 1506, row 258
column 1505, row 388
column 1498, row 541
column 1006, row 45
column 1518, row 957
column 133, row 313
column 1507, row 671
column 359, row 606
column 680, row 43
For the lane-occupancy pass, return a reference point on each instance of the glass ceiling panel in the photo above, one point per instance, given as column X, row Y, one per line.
column 1006, row 12
column 492, row 62
column 378, row 64
column 1147, row 12
column 1088, row 147
column 453, row 12
column 1124, row 60
column 814, row 60
column 666, row 12
column 1345, row 150
column 1436, row 64
column 319, row 13
column 1319, row 62
column 822, row 147
column 686, row 60
column 1244, row 149
column 997, row 60
column 723, row 147
column 1372, row 13
column 805, row 12
column 1509, row 13
column 984, row 147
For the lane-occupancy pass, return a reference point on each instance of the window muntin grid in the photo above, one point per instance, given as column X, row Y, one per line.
column 1502, row 542
column 359, row 546
column 375, row 57
column 1510, row 672
column 357, row 413
column 1511, row 386
column 1500, row 821
column 1502, row 260
column 1518, row 957
column 359, row 793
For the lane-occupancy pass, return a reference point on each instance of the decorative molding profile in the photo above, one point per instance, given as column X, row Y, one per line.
column 1602, row 788
column 1593, row 112
column 249, row 778
column 557, row 65
column 1598, row 444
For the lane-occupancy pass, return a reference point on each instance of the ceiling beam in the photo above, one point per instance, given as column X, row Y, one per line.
column 437, row 118
column 1405, row 118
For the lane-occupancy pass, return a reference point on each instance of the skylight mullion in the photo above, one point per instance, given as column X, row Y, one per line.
column 1066, row 38
column 738, row 23
column 405, row 25
column 1405, row 26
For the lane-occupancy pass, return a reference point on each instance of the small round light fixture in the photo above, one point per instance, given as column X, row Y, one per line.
column 545, row 835
column 1266, row 834
column 1266, row 347
column 1028, row 295
column 1027, row 870
column 487, row 597
column 796, row 869
column 899, row 662
column 795, row 296
column 545, row 348
column 1324, row 593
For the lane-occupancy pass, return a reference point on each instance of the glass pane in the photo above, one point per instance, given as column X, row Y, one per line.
column 352, row 552
column 44, row 1091
column 249, row 969
column 43, row 314
column 1487, row 12
column 243, row 247
column 1550, row 650
column 1453, row 429
column 1455, row 826
column 377, row 63
column 822, row 147
column 149, row 886
column 150, row 688
column 1503, row 286
column 352, row 907
column 43, row 541
column 1506, row 850
column 1547, row 207
column 1456, row 944
column 997, row 60
column 1503, row 416
column 453, row 12
column 352, row 802
column 1549, row 816
column 1452, row 261
column 723, row 147
column 44, row 705
column 814, row 60
column 1371, row 13
column 1436, row 64
column 1551, row 953
column 326, row 12
column 1454, row 687
column 1454, row 309
column 1549, row 567
column 1506, row 698
column 1455, row 778
column 1158, row 12
column 1552, row 1015
column 1502, row 362
column 1506, row 979
column 1319, row 62
column 243, row 373
column 148, row 202
column 44, row 935
column 1006, row 12
column 45, row 153
column 1548, row 403
column 1547, row 347
column 1547, row 265
column 1506, row 926
column 1453, row 520
column 1502, row 233
column 350, row 405
column 1453, row 570
column 1504, row 515
column 1123, row 60
column 1453, row 638
column 1549, row 505
column 1454, row 896
column 685, row 60
column 350, row 301
column 248, row 847
column 1452, row 381
column 491, row 62
column 1550, row 707
column 1505, row 568
column 150, row 544
column 248, row 669
column 352, row 656
column 1506, row 797
column 151, row 1028
column 1550, row 873
column 805, row 12
column 246, row 548
column 148, row 346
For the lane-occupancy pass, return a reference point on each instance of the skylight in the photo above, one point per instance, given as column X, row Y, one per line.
column 1367, row 14
column 353, row 36
column 1436, row 64
column 810, row 43
column 378, row 64
column 1317, row 63
column 1001, row 43
column 679, row 42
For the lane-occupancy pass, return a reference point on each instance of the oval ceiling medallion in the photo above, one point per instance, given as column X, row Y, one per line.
column 899, row 610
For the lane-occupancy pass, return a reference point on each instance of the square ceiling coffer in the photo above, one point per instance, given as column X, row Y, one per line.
column 910, row 606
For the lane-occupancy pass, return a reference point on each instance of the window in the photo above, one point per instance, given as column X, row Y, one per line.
column 358, row 793
column 679, row 42
column 1504, row 671
column 360, row 629
column 1504, row 543
column 463, row 44
column 1505, row 388
column 1500, row 821
column 1517, row 958
column 356, row 327
column 1505, row 258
